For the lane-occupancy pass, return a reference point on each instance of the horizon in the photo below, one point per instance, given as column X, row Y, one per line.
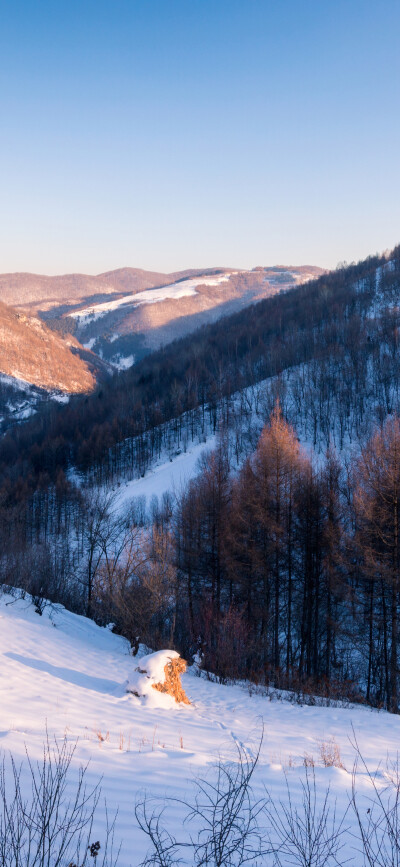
column 177, row 134
column 167, row 273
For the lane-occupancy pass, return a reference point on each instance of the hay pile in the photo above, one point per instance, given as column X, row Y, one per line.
column 159, row 671
column 172, row 683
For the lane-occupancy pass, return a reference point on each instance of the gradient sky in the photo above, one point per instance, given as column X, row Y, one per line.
column 166, row 134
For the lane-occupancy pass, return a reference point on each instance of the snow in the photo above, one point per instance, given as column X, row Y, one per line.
column 16, row 382
column 123, row 362
column 154, row 664
column 90, row 343
column 169, row 476
column 25, row 398
column 59, row 396
column 181, row 289
column 20, row 411
column 63, row 672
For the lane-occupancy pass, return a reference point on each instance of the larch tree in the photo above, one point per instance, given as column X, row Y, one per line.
column 377, row 504
column 277, row 463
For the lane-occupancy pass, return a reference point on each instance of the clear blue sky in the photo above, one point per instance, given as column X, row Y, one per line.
column 166, row 134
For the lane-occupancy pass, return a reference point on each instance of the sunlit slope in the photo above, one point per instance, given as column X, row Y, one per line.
column 31, row 352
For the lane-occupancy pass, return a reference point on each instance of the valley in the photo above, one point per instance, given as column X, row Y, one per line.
column 125, row 314
column 200, row 434
column 58, row 348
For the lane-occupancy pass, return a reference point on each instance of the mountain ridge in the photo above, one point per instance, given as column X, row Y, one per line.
column 25, row 288
column 62, row 334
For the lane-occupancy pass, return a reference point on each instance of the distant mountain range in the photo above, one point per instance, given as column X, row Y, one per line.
column 40, row 292
column 66, row 331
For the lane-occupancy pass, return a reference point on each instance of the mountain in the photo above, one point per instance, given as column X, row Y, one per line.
column 123, row 315
column 41, row 292
column 59, row 335
column 324, row 331
column 31, row 352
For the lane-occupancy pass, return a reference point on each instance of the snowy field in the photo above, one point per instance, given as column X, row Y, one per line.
column 181, row 289
column 62, row 671
column 166, row 476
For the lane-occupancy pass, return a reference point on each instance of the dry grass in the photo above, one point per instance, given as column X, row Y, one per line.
column 330, row 754
column 172, row 685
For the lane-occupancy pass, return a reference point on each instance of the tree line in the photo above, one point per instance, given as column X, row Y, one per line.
column 289, row 571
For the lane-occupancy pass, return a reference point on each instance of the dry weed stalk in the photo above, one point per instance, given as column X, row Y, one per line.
column 330, row 754
column 223, row 815
column 308, row 761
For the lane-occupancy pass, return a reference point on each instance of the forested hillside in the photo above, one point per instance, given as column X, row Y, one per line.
column 345, row 323
column 279, row 561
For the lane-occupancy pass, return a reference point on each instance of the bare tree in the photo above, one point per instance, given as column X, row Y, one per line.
column 309, row 836
column 377, row 504
column 222, row 820
column 378, row 815
column 101, row 534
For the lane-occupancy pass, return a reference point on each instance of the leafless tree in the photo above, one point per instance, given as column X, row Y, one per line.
column 309, row 835
column 376, row 498
column 99, row 531
column 378, row 815
column 222, row 821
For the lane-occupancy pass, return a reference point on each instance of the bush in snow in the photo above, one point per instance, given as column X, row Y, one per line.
column 47, row 819
column 160, row 671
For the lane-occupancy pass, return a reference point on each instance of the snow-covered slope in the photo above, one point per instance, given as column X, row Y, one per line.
column 181, row 289
column 134, row 321
column 169, row 475
column 62, row 671
column 19, row 400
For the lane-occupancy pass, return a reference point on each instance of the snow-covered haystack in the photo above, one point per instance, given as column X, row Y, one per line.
column 161, row 671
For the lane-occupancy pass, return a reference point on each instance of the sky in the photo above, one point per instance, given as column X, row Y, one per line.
column 166, row 134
